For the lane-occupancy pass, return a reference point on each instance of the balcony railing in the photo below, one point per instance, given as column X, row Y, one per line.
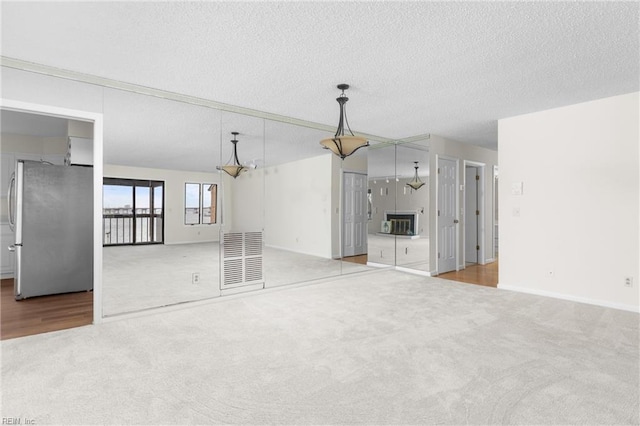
column 118, row 226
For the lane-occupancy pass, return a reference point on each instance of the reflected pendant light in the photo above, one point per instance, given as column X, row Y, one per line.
column 236, row 168
column 416, row 183
column 343, row 145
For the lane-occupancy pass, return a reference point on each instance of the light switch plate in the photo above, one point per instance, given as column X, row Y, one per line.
column 517, row 188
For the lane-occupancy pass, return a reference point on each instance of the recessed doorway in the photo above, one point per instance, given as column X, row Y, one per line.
column 60, row 140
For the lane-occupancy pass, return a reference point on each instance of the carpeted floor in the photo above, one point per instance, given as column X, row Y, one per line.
column 376, row 348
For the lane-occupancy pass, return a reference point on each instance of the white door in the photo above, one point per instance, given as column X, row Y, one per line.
column 471, row 214
column 354, row 234
column 447, row 217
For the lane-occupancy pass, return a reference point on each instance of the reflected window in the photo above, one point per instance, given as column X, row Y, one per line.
column 132, row 211
column 200, row 203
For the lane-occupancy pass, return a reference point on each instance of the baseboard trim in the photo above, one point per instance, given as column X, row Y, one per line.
column 180, row 243
column 225, row 297
column 603, row 303
column 413, row 271
column 242, row 289
column 379, row 265
column 290, row 250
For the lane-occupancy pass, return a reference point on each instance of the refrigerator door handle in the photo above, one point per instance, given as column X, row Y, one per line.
column 10, row 191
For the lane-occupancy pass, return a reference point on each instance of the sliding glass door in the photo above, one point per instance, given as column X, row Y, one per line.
column 132, row 212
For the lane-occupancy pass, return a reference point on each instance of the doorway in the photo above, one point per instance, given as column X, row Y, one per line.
column 447, row 218
column 473, row 213
column 354, row 236
column 46, row 313
column 495, row 213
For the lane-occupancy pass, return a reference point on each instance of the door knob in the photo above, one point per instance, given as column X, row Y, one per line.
column 455, row 220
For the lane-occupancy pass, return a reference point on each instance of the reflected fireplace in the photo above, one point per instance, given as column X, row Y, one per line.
column 402, row 223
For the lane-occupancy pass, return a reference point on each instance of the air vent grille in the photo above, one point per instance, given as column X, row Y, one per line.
column 253, row 269
column 242, row 259
column 233, row 245
column 233, row 271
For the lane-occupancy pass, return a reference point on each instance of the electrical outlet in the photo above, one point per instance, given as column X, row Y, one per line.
column 628, row 282
column 195, row 278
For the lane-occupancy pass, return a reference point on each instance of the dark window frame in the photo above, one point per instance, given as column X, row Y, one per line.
column 133, row 184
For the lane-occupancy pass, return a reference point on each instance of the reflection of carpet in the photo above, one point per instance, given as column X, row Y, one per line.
column 377, row 348
column 361, row 259
column 143, row 277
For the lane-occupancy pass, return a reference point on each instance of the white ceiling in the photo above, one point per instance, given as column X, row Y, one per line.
column 446, row 68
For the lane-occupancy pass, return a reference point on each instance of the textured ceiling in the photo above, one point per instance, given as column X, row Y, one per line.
column 446, row 68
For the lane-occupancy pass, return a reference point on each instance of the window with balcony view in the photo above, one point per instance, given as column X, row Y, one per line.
column 200, row 201
column 132, row 211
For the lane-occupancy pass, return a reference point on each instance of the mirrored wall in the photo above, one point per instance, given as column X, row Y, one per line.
column 315, row 216
column 289, row 201
column 399, row 212
column 411, row 216
column 173, row 146
column 299, row 215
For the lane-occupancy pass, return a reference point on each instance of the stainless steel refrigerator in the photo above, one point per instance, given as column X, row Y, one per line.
column 51, row 214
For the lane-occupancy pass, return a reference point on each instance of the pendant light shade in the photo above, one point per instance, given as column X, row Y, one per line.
column 416, row 183
column 343, row 145
column 236, row 168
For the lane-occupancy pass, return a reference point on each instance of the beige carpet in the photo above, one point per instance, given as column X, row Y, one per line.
column 376, row 348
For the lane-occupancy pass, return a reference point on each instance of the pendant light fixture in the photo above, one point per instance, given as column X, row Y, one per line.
column 343, row 145
column 416, row 183
column 236, row 168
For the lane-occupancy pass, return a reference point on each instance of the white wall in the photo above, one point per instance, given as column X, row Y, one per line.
column 298, row 206
column 336, row 203
column 442, row 147
column 573, row 233
column 175, row 231
column 245, row 196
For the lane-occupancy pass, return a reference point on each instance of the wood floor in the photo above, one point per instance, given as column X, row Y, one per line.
column 42, row 314
column 361, row 259
column 486, row 275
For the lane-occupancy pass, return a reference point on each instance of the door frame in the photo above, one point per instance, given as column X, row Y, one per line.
column 97, row 120
column 481, row 208
column 495, row 225
column 457, row 209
